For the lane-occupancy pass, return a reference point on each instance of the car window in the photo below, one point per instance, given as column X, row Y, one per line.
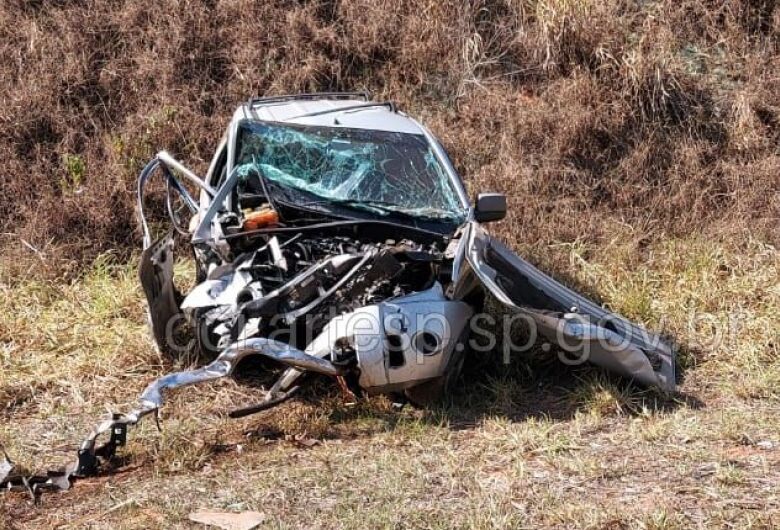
column 217, row 177
column 398, row 171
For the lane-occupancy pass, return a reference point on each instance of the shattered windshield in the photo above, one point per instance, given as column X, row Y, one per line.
column 376, row 171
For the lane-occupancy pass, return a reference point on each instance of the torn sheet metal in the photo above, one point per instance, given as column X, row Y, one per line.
column 155, row 271
column 566, row 318
column 334, row 238
column 90, row 453
column 6, row 466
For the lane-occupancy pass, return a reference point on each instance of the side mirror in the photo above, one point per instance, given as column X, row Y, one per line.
column 490, row 207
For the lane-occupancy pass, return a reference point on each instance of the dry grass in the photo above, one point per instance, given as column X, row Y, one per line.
column 637, row 142
column 663, row 115
column 525, row 445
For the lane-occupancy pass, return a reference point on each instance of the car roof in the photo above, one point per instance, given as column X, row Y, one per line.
column 347, row 113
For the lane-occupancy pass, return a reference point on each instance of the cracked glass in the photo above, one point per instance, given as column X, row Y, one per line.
column 381, row 171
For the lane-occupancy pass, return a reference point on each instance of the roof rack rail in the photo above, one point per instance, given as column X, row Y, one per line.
column 389, row 104
column 365, row 94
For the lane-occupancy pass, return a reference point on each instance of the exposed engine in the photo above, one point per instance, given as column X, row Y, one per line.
column 311, row 293
column 298, row 284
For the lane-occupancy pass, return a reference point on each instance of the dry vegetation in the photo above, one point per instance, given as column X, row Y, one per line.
column 660, row 114
column 638, row 143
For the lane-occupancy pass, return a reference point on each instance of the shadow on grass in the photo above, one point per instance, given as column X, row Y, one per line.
column 548, row 390
column 488, row 389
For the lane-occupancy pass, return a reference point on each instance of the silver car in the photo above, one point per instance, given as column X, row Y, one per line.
column 333, row 236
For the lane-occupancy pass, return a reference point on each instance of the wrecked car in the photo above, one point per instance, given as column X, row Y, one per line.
column 332, row 235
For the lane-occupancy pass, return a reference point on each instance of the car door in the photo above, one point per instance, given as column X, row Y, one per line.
column 585, row 330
